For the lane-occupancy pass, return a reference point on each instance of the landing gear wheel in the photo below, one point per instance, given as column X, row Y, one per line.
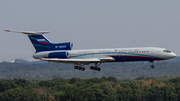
column 95, row 68
column 82, row 68
column 98, row 69
column 75, row 67
column 79, row 68
column 152, row 66
column 92, row 68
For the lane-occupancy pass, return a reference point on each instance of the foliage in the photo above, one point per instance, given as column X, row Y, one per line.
column 115, row 82
column 164, row 69
column 92, row 89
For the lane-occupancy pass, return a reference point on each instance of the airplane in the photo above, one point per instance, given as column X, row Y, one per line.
column 63, row 53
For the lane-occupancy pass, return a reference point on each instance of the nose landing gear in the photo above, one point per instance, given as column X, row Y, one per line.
column 152, row 66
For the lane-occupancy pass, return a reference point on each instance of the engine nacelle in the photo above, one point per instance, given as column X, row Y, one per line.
column 58, row 55
column 63, row 46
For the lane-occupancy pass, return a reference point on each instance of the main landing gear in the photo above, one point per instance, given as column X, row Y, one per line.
column 96, row 67
column 79, row 68
column 92, row 67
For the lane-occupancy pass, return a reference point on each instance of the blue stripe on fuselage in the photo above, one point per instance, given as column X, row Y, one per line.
column 125, row 56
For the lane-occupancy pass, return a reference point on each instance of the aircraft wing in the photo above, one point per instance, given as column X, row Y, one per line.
column 86, row 60
column 70, row 60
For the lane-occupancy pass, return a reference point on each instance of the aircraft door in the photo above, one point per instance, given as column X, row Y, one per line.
column 117, row 52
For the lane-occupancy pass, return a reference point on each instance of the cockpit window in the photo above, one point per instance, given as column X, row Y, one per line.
column 167, row 51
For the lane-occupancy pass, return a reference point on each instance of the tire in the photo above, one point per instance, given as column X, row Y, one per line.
column 98, row 69
column 75, row 67
column 152, row 66
column 79, row 68
column 82, row 68
column 92, row 68
column 95, row 68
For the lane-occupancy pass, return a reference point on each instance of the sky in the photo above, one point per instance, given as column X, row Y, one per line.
column 89, row 24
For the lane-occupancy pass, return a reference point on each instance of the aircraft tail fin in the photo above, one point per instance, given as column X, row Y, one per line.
column 41, row 43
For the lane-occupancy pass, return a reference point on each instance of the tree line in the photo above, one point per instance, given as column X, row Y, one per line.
column 42, row 71
column 93, row 89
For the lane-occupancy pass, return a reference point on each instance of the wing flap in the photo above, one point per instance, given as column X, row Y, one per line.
column 86, row 60
column 107, row 59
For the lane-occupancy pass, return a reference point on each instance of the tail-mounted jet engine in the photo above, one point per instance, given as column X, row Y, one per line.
column 51, row 55
column 58, row 55
column 63, row 46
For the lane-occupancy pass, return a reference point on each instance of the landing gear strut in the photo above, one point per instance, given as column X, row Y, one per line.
column 95, row 67
column 152, row 66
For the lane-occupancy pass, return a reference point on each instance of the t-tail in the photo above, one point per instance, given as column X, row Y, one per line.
column 41, row 43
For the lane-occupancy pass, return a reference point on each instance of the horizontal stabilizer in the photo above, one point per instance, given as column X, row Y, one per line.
column 29, row 32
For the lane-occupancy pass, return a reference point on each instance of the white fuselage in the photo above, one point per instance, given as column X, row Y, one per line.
column 118, row 54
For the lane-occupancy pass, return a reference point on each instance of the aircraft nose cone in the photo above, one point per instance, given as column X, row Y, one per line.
column 173, row 55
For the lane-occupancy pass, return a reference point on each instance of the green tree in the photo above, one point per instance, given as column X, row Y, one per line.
column 19, row 94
